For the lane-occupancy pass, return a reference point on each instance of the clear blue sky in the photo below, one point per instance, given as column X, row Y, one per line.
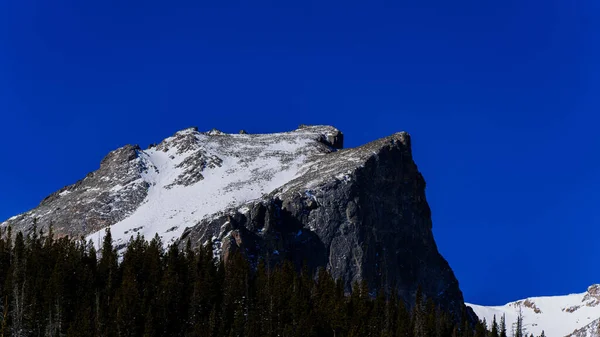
column 501, row 98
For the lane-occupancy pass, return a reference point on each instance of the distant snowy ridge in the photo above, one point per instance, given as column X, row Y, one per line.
column 558, row 316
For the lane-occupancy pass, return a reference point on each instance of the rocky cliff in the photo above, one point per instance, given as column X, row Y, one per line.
column 360, row 212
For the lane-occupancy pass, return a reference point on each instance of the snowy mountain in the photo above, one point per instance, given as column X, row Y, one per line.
column 570, row 315
column 184, row 179
column 361, row 212
column 193, row 175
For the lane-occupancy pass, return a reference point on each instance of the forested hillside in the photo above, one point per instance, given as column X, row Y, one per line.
column 64, row 287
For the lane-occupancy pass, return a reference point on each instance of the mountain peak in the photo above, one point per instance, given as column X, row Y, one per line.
column 297, row 195
column 121, row 155
column 191, row 129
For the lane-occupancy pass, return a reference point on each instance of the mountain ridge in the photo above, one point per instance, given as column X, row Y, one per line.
column 574, row 314
column 298, row 195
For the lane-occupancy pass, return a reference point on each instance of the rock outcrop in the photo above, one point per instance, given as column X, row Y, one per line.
column 101, row 199
column 590, row 330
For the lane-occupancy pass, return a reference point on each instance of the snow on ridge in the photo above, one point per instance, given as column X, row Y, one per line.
column 193, row 175
column 557, row 315
column 590, row 330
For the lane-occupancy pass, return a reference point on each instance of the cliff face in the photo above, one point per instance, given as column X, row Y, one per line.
column 361, row 213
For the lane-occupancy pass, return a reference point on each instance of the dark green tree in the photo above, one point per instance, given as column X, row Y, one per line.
column 494, row 330
column 503, row 326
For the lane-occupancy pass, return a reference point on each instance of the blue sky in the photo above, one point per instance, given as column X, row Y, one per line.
column 501, row 98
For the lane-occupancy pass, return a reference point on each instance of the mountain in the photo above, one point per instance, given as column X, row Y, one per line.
column 359, row 212
column 571, row 315
column 590, row 330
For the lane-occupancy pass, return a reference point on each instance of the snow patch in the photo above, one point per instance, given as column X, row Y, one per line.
column 557, row 315
column 248, row 167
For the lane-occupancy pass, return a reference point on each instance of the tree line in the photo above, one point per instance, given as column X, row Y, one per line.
column 63, row 287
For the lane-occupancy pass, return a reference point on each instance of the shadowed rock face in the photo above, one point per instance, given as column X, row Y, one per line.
column 361, row 213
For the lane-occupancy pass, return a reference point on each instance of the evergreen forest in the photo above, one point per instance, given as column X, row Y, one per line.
column 63, row 287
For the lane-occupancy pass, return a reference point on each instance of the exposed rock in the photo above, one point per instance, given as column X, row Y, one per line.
column 361, row 213
column 529, row 304
column 215, row 132
column 592, row 297
column 590, row 330
column 101, row 199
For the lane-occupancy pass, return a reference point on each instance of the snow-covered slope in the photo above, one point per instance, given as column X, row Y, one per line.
column 186, row 178
column 590, row 330
column 194, row 175
column 557, row 315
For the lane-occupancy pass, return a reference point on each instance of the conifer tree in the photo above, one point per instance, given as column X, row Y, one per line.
column 480, row 329
column 403, row 328
column 18, row 287
column 519, row 330
column 107, row 279
column 183, row 292
column 503, row 326
column 391, row 312
column 455, row 331
column 467, row 331
column 419, row 315
column 430, row 318
column 494, row 329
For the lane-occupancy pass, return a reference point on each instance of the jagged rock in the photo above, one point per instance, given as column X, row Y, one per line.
column 361, row 213
column 243, row 132
column 101, row 199
column 590, row 330
column 215, row 132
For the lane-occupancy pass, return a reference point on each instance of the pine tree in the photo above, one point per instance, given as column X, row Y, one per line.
column 18, row 287
column 403, row 328
column 494, row 331
column 519, row 330
column 106, row 286
column 391, row 312
column 5, row 278
column 455, row 331
column 59, row 287
column 377, row 314
column 430, row 318
column 467, row 330
column 480, row 329
column 503, row 326
column 419, row 315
